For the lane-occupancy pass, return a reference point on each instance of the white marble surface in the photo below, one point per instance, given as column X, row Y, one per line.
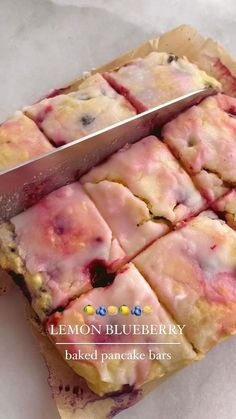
column 44, row 44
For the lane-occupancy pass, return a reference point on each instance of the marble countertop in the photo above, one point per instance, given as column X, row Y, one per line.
column 45, row 44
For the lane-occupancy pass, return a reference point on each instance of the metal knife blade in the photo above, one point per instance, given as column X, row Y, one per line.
column 25, row 184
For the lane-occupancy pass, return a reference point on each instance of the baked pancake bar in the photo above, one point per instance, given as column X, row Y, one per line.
column 193, row 272
column 58, row 249
column 20, row 140
column 203, row 138
column 142, row 192
column 68, row 117
column 157, row 78
column 102, row 324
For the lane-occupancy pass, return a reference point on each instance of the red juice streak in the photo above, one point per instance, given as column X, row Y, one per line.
column 55, row 92
column 99, row 273
column 223, row 74
column 139, row 106
column 43, row 113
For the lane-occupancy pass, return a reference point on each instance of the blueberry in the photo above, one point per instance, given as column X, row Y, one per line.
column 87, row 120
column 103, row 308
column 103, row 311
column 171, row 58
column 137, row 311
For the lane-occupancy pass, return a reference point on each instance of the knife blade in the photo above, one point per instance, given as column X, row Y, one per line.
column 23, row 185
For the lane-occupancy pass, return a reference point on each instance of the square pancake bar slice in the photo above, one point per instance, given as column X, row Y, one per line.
column 68, row 117
column 225, row 207
column 193, row 272
column 58, row 249
column 118, row 320
column 20, row 140
column 157, row 78
column 203, row 138
column 142, row 192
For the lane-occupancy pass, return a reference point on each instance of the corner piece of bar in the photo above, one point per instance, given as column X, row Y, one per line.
column 204, row 139
column 193, row 272
column 68, row 117
column 119, row 317
column 20, row 140
column 142, row 192
column 60, row 248
column 157, row 78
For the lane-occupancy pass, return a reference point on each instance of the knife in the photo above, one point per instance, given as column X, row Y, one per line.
column 23, row 185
